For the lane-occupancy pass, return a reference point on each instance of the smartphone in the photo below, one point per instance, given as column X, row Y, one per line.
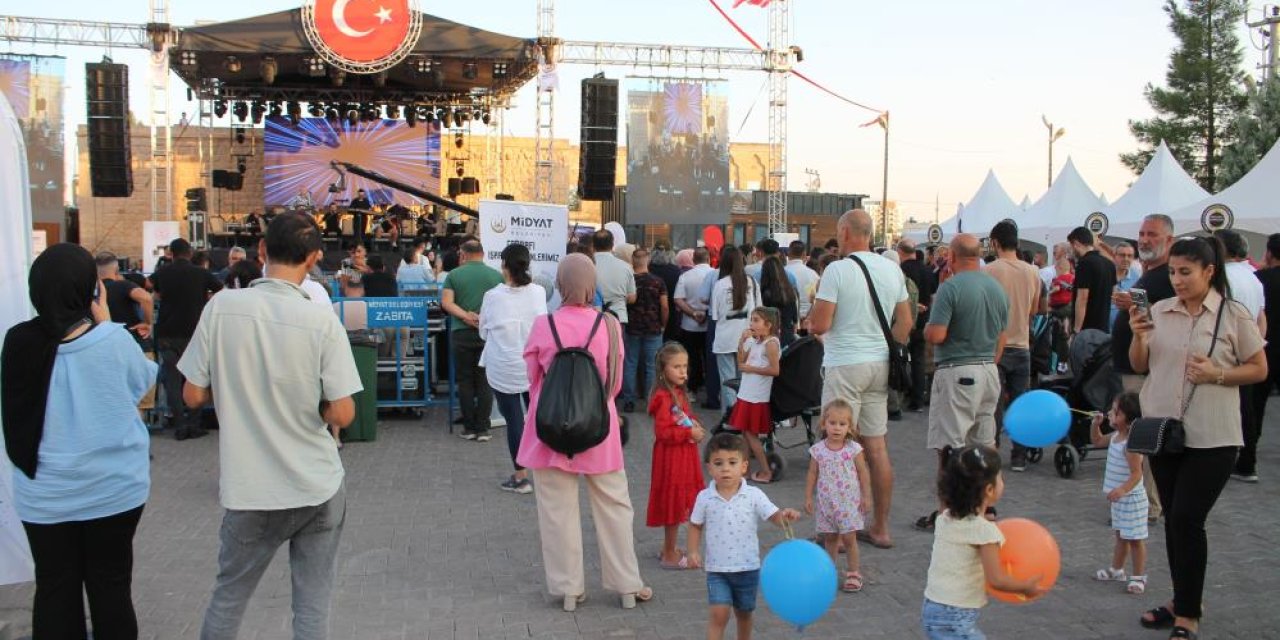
column 1139, row 297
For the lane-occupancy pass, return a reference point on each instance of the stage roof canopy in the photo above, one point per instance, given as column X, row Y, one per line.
column 452, row 64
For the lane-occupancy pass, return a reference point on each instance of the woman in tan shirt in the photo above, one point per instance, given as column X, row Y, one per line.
column 1172, row 346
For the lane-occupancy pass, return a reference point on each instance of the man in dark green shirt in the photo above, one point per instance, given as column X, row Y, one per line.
column 464, row 290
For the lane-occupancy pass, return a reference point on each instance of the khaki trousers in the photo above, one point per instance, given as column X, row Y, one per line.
column 560, row 525
column 1132, row 383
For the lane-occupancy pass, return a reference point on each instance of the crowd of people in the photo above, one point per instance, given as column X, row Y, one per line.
column 666, row 331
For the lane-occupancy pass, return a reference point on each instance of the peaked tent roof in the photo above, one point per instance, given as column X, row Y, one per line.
column 1064, row 207
column 1164, row 186
column 989, row 205
column 1251, row 201
column 949, row 227
column 1026, row 203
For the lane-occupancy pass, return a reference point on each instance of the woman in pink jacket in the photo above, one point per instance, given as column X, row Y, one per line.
column 556, row 476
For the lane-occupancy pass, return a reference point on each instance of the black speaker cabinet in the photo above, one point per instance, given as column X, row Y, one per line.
column 470, row 185
column 110, row 152
column 597, row 162
column 455, row 187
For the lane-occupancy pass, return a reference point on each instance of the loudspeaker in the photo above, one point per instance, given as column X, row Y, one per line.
column 455, row 187
column 110, row 154
column 470, row 185
column 597, row 162
column 229, row 180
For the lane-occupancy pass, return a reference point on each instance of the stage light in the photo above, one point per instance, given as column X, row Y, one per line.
column 240, row 110
column 353, row 116
column 477, row 114
column 457, row 140
column 380, row 79
column 460, row 169
column 275, row 110
column 190, row 59
column 339, row 77
column 469, row 71
column 258, row 110
column 240, row 166
column 314, row 67
column 437, row 78
column 428, row 115
column 269, row 69
column 393, row 112
column 232, row 64
column 294, row 109
column 446, row 118
column 462, row 116
column 411, row 116
column 422, row 65
column 315, row 110
column 486, row 118
column 331, row 115
column 500, row 69
column 371, row 113
column 219, row 109
column 239, row 131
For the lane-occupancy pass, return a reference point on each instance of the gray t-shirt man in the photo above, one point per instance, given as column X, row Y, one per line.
column 616, row 281
column 974, row 309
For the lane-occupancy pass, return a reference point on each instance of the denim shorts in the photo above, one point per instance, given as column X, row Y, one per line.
column 737, row 588
column 945, row 622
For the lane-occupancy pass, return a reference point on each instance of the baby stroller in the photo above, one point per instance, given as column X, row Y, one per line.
column 796, row 393
column 1090, row 388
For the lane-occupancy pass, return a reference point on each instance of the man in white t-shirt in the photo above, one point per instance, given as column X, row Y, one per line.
column 693, row 305
column 856, row 361
column 806, row 279
column 279, row 369
column 614, row 278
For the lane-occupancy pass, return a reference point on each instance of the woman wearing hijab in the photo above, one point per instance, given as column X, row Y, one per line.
column 556, row 477
column 71, row 381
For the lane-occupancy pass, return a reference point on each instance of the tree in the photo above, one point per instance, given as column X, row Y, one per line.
column 1204, row 91
column 1255, row 131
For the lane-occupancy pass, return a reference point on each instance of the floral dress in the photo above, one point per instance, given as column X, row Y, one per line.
column 838, row 494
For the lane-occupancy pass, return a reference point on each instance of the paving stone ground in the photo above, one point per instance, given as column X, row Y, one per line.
column 432, row 549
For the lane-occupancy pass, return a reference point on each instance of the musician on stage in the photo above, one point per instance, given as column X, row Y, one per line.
column 360, row 208
column 332, row 221
column 300, row 201
column 392, row 223
column 253, row 223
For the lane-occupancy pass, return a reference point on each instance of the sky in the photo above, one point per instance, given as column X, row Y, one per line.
column 966, row 83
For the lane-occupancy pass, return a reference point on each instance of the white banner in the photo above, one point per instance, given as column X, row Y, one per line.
column 15, row 259
column 544, row 228
column 156, row 236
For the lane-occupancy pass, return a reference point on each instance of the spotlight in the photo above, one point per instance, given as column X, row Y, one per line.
column 500, row 69
column 469, row 71
column 437, row 78
column 314, row 67
column 240, row 166
column 411, row 116
column 219, row 109
column 331, row 114
column 393, row 112
column 190, row 59
column 315, row 110
column 353, row 116
column 295, row 111
column 258, row 110
column 422, row 65
column 486, row 118
column 428, row 115
column 457, row 140
column 269, row 69
column 461, row 116
column 446, row 118
column 380, row 79
column 459, row 169
column 240, row 110
column 239, row 135
column 232, row 64
column 339, row 77
column 275, row 110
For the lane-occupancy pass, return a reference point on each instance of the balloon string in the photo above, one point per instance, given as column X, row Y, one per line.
column 786, row 530
column 1084, row 413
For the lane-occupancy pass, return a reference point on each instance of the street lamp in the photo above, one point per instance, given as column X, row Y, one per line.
column 1053, row 137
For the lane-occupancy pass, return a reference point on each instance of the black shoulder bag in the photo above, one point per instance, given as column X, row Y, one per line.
column 1160, row 436
column 899, row 355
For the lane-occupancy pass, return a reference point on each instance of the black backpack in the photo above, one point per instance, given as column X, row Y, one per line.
column 573, row 409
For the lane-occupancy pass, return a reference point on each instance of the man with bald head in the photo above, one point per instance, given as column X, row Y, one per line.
column 856, row 360
column 966, row 326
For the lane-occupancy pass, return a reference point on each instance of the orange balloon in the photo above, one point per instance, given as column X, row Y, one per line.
column 1028, row 550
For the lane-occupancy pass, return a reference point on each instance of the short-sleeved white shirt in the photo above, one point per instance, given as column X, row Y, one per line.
column 730, row 322
column 689, row 289
column 956, row 577
column 855, row 336
column 729, row 527
column 616, row 280
column 270, row 356
column 1246, row 288
column 806, row 284
column 506, row 318
column 318, row 295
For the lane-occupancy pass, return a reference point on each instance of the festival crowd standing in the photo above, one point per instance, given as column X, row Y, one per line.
column 462, row 298
column 182, row 289
column 1021, row 285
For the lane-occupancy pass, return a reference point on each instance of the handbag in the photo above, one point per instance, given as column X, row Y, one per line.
column 1165, row 436
column 899, row 355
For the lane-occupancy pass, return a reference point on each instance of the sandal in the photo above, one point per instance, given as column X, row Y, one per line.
column 1112, row 575
column 863, row 536
column 629, row 600
column 571, row 602
column 852, row 582
column 1161, row 617
column 1183, row 632
column 755, row 477
column 1137, row 585
column 925, row 523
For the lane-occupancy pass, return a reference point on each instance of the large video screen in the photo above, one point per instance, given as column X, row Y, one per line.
column 297, row 159
column 34, row 87
column 677, row 152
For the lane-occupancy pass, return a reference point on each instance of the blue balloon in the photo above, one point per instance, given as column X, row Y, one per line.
column 799, row 581
column 1038, row 418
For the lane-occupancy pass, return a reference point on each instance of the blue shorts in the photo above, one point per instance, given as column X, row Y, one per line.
column 945, row 622
column 737, row 588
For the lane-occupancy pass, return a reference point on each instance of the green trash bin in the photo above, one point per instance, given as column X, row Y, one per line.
column 364, row 428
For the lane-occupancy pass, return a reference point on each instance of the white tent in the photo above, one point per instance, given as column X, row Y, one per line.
column 1064, row 207
column 921, row 236
column 989, row 205
column 1250, row 205
column 1163, row 187
column 1026, row 203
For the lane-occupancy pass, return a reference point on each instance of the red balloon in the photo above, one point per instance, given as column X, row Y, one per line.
column 1028, row 550
column 713, row 236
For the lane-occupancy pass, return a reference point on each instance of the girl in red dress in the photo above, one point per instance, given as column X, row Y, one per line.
column 758, row 355
column 677, row 471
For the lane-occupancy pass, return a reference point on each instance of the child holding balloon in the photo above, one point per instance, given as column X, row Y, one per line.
column 966, row 547
column 759, row 352
column 727, row 512
column 1123, row 486
column 838, row 474
column 676, row 472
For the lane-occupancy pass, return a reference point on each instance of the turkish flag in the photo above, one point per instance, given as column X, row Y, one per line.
column 362, row 30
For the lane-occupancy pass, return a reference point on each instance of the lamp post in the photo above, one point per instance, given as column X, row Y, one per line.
column 1053, row 137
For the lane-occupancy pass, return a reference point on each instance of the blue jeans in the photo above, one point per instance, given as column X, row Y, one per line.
column 639, row 350
column 945, row 622
column 727, row 366
column 512, row 407
column 249, row 542
column 737, row 588
column 1015, row 377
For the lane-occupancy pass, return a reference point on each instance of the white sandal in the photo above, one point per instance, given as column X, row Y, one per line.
column 1110, row 575
column 1137, row 585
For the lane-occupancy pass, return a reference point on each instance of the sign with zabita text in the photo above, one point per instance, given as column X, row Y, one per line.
column 396, row 312
column 543, row 228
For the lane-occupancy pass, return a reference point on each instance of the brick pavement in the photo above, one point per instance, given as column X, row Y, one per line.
column 432, row 549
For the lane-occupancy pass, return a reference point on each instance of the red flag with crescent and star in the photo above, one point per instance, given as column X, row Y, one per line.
column 362, row 30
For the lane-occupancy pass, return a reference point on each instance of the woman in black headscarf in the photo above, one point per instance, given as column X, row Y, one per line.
column 70, row 381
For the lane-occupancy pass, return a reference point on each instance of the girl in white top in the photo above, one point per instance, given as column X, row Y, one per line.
column 966, row 547
column 506, row 317
column 1123, row 485
column 733, row 297
column 758, row 356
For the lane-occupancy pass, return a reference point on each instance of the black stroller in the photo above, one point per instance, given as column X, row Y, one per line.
column 1091, row 387
column 796, row 393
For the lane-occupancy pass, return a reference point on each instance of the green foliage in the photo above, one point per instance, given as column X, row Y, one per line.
column 1204, row 90
column 1255, row 132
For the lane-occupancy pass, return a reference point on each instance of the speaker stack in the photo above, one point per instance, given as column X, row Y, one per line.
column 110, row 152
column 598, row 160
